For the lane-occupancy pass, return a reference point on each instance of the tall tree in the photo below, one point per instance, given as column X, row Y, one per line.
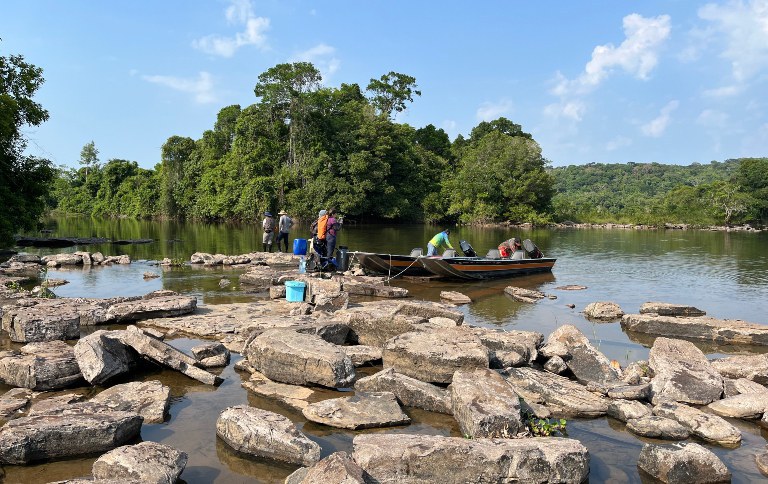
column 391, row 91
column 24, row 180
column 89, row 157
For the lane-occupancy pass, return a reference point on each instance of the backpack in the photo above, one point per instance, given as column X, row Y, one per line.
column 322, row 227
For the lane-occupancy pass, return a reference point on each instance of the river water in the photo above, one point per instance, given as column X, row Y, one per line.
column 725, row 274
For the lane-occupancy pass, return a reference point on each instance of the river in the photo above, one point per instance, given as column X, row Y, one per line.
column 725, row 274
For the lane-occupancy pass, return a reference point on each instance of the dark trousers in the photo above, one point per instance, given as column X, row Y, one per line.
column 331, row 245
column 284, row 237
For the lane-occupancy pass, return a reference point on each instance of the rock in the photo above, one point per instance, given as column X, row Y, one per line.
column 164, row 354
column 277, row 292
column 667, row 309
column 555, row 365
column 155, row 307
column 265, row 434
column 62, row 260
column 409, row 391
column 603, row 310
column 683, row 373
column 508, row 348
column 524, row 295
column 97, row 258
column 293, row 395
column 571, row 287
column 146, row 462
column 704, row 425
column 720, row 331
column 761, row 459
column 635, row 372
column 434, row 357
column 361, row 286
column 362, row 411
column 211, row 355
column 61, row 403
column 150, row 399
column 432, row 458
column 586, row 363
column 13, row 402
column 485, row 405
column 657, row 428
column 101, row 356
column 67, row 433
column 751, row 367
column 742, row 385
column 291, row 357
column 336, row 468
column 455, row 297
column 682, row 463
column 631, row 392
column 362, row 355
column 331, row 303
column 151, row 275
column 258, row 278
column 561, row 395
column 48, row 321
column 625, row 410
column 748, row 406
column 41, row 366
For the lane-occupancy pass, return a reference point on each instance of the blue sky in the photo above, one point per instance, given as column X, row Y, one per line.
column 594, row 81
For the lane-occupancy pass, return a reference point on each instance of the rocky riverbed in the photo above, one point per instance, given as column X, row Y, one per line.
column 359, row 354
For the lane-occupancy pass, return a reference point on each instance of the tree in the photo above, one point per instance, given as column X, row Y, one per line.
column 89, row 157
column 391, row 91
column 24, row 180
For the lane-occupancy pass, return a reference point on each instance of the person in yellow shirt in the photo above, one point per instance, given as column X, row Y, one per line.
column 439, row 241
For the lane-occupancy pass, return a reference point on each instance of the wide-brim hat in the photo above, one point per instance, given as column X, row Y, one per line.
column 282, row 212
column 267, row 214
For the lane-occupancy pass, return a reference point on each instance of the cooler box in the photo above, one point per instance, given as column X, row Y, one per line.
column 294, row 291
column 299, row 246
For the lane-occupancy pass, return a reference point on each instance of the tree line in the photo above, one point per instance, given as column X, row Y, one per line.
column 303, row 146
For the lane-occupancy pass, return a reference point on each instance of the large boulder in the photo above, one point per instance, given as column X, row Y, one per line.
column 406, row 458
column 504, row 346
column 703, row 425
column 147, row 462
column 682, row 373
column 434, row 356
column 562, row 396
column 150, row 399
column 41, row 366
column 102, row 355
column 586, row 363
column 42, row 322
column 265, row 434
column 682, row 464
column 66, row 433
column 485, row 405
column 291, row 357
column 720, row 331
column 409, row 391
column 363, row 410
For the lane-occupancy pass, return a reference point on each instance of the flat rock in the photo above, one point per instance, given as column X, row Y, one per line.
column 293, row 395
column 658, row 428
column 455, row 297
column 155, row 307
column 720, row 331
column 361, row 411
column 150, row 399
column 435, row 356
column 668, row 309
column 631, row 392
column 69, row 433
column 265, row 434
column 748, row 406
column 411, row 459
column 211, row 355
column 291, row 357
column 13, row 402
column 102, row 355
column 586, row 363
column 703, row 425
column 409, row 391
column 362, row 355
column 682, row 373
column 148, row 462
column 761, row 459
column 485, row 405
column 501, row 344
column 751, row 367
column 336, row 468
column 743, row 385
column 41, row 366
column 42, row 322
column 563, row 396
column 603, row 310
column 625, row 410
column 524, row 295
column 682, row 463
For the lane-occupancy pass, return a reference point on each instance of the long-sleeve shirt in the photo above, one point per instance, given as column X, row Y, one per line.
column 285, row 223
column 440, row 241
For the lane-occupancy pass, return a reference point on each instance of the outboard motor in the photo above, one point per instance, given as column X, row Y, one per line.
column 533, row 251
column 467, row 249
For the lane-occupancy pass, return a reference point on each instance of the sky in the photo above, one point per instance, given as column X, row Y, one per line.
column 612, row 81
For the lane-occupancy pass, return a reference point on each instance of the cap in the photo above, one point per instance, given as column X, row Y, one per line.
column 322, row 212
column 282, row 212
column 267, row 214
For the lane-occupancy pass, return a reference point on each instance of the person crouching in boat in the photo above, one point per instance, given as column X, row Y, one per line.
column 508, row 248
column 439, row 241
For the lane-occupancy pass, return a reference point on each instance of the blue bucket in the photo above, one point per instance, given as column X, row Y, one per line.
column 294, row 291
column 299, row 246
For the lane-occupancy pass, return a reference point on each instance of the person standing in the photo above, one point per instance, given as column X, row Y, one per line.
column 284, row 227
column 439, row 241
column 268, row 224
column 332, row 227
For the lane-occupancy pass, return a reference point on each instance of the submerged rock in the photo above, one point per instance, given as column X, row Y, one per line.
column 363, row 410
column 668, row 309
column 147, row 462
column 684, row 463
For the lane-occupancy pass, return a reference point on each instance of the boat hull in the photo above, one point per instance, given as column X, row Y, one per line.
column 482, row 268
column 391, row 264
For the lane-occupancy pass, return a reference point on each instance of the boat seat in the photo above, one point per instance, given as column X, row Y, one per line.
column 519, row 254
column 493, row 254
column 417, row 252
column 449, row 253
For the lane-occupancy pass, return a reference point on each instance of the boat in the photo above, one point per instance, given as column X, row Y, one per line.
column 392, row 265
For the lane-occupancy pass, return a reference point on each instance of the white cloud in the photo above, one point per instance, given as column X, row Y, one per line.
column 617, row 143
column 451, row 127
column 744, row 29
column 725, row 91
column 201, row 87
column 637, row 55
column 656, row 127
column 712, row 118
column 321, row 56
column 240, row 12
column 489, row 111
column 567, row 109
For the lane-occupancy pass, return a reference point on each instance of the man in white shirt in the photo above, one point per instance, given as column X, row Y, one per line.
column 284, row 225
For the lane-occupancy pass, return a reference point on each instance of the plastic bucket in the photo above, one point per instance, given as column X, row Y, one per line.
column 299, row 246
column 294, row 291
column 342, row 256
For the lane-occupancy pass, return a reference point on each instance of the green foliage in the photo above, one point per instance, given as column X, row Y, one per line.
column 390, row 92
column 544, row 427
